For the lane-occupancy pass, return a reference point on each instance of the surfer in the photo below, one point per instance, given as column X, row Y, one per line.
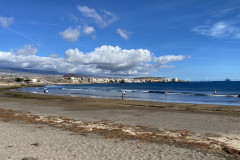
column 215, row 92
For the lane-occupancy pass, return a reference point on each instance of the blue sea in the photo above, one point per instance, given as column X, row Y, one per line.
column 227, row 93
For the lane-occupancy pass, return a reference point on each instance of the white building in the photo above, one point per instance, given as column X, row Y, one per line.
column 34, row 80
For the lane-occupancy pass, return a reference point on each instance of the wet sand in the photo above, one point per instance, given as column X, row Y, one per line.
column 180, row 124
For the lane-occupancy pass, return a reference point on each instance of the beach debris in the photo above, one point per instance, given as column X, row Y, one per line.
column 40, row 127
column 113, row 130
column 29, row 158
column 35, row 144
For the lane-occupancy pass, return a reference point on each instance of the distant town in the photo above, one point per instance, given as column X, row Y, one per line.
column 75, row 79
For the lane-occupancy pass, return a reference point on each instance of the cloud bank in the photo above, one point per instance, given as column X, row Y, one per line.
column 102, row 61
column 110, row 58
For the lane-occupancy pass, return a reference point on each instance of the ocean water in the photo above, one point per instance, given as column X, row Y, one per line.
column 227, row 93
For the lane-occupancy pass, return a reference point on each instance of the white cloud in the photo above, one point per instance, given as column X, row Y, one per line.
column 123, row 33
column 88, row 12
column 88, row 29
column 6, row 21
column 219, row 30
column 103, row 61
column 161, row 61
column 27, row 50
column 114, row 60
column 110, row 58
column 102, row 20
column 71, row 34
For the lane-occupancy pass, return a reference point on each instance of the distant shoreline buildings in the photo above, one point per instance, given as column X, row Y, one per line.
column 119, row 80
column 71, row 78
column 77, row 79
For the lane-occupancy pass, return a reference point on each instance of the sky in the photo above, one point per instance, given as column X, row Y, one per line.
column 188, row 39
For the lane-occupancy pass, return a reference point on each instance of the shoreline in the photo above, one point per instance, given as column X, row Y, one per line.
column 8, row 86
column 233, row 101
column 132, row 99
column 11, row 91
column 126, row 103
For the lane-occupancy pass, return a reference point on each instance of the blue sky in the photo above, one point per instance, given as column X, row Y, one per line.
column 188, row 39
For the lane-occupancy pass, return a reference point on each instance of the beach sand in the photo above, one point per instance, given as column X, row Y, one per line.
column 56, row 127
column 19, row 141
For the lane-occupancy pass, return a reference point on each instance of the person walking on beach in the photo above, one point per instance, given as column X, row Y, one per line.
column 123, row 95
column 45, row 91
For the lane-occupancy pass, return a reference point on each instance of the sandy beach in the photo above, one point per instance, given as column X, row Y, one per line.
column 56, row 127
